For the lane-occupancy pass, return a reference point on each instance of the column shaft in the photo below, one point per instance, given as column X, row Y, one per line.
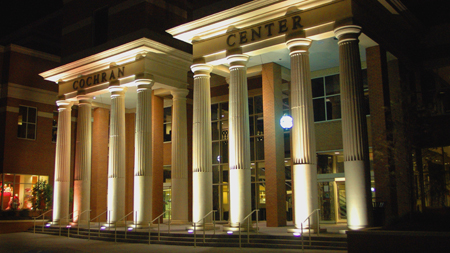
column 239, row 141
column 143, row 154
column 180, row 195
column 201, row 144
column 354, row 129
column 62, row 164
column 303, row 134
column 116, row 163
column 82, row 175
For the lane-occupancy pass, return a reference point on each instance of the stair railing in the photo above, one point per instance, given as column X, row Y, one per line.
column 68, row 226
column 159, row 223
column 204, row 226
column 35, row 218
column 309, row 226
column 78, row 223
column 97, row 218
column 248, row 226
column 126, row 226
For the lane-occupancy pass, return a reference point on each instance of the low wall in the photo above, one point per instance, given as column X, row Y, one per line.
column 397, row 241
column 15, row 226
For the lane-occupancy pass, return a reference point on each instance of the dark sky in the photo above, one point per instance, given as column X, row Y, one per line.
column 17, row 13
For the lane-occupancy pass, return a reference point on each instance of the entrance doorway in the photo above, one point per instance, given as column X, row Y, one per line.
column 332, row 201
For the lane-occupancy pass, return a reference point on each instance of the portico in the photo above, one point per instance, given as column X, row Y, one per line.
column 123, row 80
column 233, row 44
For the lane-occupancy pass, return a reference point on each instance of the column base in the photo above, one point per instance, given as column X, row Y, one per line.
column 236, row 229
column 118, row 224
column 208, row 226
column 179, row 222
column 305, row 230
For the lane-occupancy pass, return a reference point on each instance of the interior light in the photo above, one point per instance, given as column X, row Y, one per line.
column 296, row 234
column 190, row 231
column 230, row 232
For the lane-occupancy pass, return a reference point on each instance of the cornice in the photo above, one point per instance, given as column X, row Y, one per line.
column 117, row 55
column 31, row 94
column 244, row 15
column 34, row 53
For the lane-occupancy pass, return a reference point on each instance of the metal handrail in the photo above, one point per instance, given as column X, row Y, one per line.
column 204, row 227
column 68, row 227
column 78, row 226
column 43, row 216
column 159, row 223
column 248, row 226
column 126, row 222
column 309, row 226
column 89, row 223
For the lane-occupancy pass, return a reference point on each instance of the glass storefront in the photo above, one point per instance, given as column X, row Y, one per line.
column 17, row 190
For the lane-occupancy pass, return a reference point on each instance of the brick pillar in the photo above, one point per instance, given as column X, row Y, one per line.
column 99, row 176
column 274, row 145
column 129, row 162
column 157, row 163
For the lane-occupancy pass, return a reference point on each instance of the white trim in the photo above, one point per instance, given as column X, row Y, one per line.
column 119, row 55
column 31, row 94
column 244, row 15
column 34, row 53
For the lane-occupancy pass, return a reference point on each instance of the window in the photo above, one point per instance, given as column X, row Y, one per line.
column 17, row 191
column 27, row 123
column 327, row 98
column 167, row 124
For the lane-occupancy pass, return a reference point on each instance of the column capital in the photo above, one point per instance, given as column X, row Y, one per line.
column 298, row 45
column 84, row 99
column 347, row 33
column 179, row 93
column 238, row 60
column 201, row 69
column 144, row 84
column 117, row 90
column 64, row 104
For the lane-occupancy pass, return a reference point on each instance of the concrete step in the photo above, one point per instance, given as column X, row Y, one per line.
column 217, row 240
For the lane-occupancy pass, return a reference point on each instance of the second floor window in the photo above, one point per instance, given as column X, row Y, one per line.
column 27, row 123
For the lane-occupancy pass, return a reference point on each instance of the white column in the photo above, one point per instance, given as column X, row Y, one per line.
column 62, row 163
column 354, row 131
column 303, row 134
column 239, row 141
column 116, row 161
column 143, row 154
column 82, row 175
column 201, row 143
column 180, row 194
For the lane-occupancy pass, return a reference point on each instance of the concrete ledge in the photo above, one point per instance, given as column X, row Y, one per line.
column 397, row 241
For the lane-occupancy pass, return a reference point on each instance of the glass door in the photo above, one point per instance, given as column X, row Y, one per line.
column 326, row 201
column 342, row 202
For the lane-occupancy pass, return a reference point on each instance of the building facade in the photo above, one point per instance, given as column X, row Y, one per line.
column 146, row 125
